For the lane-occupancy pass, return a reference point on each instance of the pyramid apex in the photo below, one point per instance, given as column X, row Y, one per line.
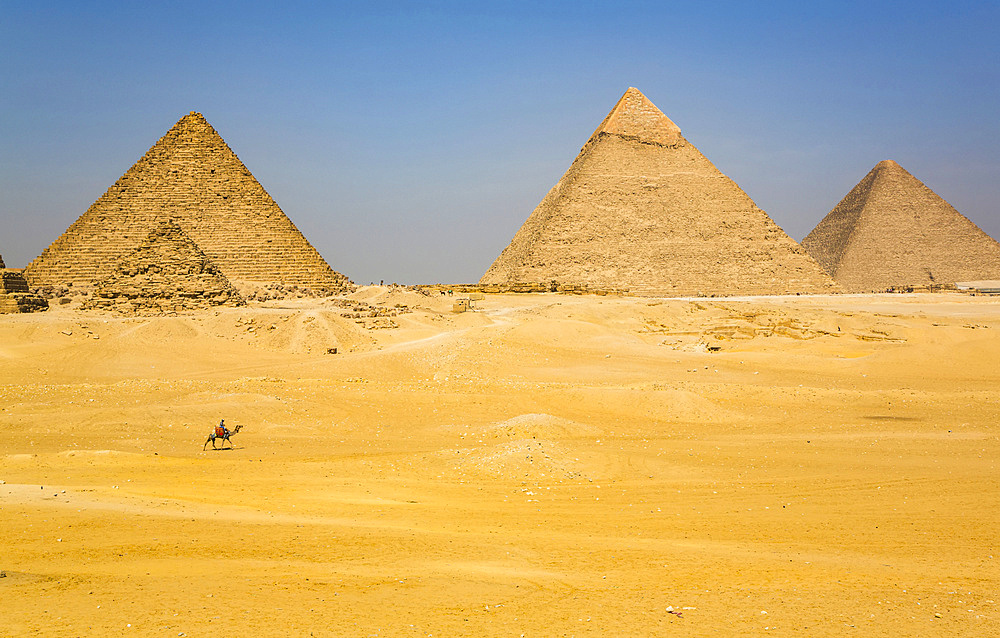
column 192, row 116
column 888, row 164
column 635, row 117
column 193, row 121
column 890, row 168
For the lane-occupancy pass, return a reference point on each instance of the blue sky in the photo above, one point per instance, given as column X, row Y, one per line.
column 410, row 140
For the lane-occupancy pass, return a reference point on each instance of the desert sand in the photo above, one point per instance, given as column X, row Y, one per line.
column 547, row 465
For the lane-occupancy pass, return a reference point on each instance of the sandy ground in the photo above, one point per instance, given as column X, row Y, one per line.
column 548, row 465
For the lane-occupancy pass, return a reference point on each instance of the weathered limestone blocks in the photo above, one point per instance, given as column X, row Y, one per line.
column 15, row 295
column 552, row 286
column 168, row 272
column 12, row 281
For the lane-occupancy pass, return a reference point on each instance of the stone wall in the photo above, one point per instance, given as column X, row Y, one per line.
column 522, row 287
column 12, row 281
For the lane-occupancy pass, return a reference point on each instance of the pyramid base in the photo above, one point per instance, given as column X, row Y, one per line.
column 11, row 303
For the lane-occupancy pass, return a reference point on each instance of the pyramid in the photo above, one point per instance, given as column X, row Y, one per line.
column 191, row 176
column 893, row 231
column 15, row 295
column 167, row 272
column 642, row 209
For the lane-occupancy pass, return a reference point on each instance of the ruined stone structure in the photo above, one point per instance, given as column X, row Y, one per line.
column 191, row 176
column 891, row 231
column 15, row 295
column 642, row 209
column 167, row 272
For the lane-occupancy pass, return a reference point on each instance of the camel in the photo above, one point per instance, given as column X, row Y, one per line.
column 213, row 436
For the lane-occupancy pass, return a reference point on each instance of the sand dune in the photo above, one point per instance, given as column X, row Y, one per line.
column 547, row 465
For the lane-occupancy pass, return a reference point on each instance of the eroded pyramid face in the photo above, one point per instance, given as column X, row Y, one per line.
column 191, row 176
column 892, row 231
column 641, row 209
column 167, row 272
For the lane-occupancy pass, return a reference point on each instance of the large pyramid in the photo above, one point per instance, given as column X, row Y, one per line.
column 641, row 208
column 190, row 175
column 167, row 272
column 893, row 231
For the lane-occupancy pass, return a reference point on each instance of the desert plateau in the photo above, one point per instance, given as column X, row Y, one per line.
column 542, row 465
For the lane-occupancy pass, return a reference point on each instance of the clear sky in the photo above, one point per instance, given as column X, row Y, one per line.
column 410, row 140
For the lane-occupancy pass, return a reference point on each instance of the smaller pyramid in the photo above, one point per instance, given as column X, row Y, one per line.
column 167, row 272
column 15, row 296
column 891, row 231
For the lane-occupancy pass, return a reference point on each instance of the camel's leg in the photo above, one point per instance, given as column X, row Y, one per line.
column 206, row 444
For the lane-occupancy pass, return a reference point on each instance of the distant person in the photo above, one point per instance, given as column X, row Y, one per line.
column 221, row 430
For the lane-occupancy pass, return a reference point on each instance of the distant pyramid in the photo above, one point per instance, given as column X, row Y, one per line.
column 892, row 231
column 166, row 272
column 641, row 208
column 190, row 175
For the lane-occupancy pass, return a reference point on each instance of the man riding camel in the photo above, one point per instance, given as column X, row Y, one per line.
column 221, row 432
